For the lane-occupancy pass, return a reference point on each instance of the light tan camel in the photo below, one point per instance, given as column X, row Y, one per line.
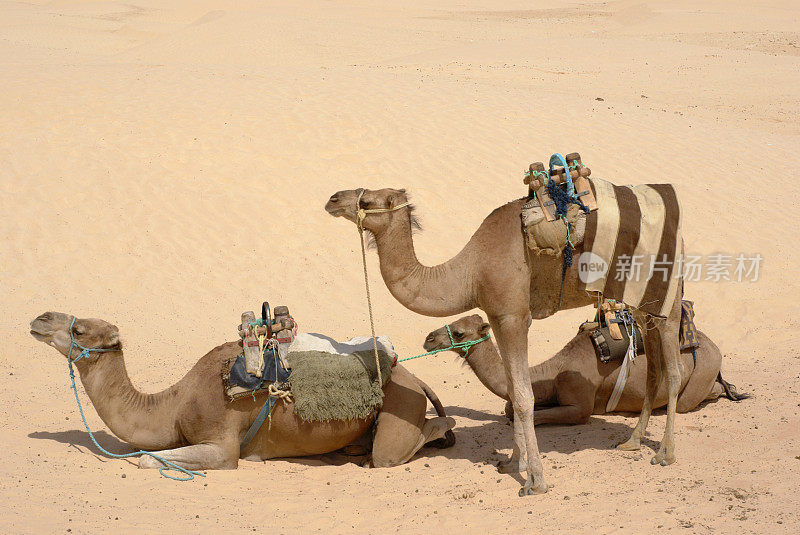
column 573, row 384
column 194, row 426
column 493, row 272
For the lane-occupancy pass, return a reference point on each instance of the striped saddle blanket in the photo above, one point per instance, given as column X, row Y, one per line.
column 632, row 246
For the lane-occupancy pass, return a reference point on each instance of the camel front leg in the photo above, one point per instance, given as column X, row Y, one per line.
column 196, row 457
column 512, row 338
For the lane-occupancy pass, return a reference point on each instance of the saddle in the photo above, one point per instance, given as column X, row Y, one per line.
column 265, row 344
column 548, row 231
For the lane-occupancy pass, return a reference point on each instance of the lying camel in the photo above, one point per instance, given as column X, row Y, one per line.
column 574, row 384
column 194, row 425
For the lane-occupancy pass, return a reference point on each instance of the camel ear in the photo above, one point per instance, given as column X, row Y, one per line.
column 112, row 339
column 484, row 330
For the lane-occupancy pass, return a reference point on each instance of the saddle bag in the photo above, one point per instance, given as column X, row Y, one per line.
column 547, row 233
column 265, row 343
column 609, row 331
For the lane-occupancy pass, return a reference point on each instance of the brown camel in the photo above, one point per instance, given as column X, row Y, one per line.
column 194, row 425
column 573, row 384
column 495, row 273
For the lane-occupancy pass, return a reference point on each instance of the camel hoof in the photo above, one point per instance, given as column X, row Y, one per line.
column 662, row 459
column 629, row 445
column 530, row 490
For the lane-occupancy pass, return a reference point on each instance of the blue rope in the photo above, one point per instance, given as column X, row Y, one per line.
column 85, row 354
column 466, row 346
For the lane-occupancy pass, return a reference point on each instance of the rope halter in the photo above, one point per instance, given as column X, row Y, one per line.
column 85, row 351
column 455, row 346
column 362, row 213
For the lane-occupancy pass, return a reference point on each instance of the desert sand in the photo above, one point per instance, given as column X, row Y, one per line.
column 165, row 167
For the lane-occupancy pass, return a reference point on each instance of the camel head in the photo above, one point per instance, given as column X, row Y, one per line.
column 346, row 204
column 466, row 329
column 53, row 328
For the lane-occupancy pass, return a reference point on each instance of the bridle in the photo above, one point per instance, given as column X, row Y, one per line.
column 362, row 213
column 466, row 346
column 85, row 351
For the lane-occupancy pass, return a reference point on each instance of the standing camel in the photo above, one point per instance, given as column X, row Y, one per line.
column 193, row 424
column 495, row 272
column 573, row 384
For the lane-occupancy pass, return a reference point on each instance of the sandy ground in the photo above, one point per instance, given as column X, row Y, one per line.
column 151, row 152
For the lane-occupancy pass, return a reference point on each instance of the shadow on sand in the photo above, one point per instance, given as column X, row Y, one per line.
column 476, row 443
column 479, row 443
column 80, row 439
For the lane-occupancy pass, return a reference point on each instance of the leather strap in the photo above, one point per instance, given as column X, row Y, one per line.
column 259, row 421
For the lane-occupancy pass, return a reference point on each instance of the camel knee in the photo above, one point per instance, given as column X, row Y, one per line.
column 522, row 411
column 673, row 381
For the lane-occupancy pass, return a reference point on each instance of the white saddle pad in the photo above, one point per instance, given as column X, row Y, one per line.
column 326, row 344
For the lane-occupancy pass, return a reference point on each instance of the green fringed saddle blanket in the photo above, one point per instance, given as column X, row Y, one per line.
column 337, row 387
column 330, row 380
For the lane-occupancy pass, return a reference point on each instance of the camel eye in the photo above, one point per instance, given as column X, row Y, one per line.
column 458, row 334
column 363, row 204
column 79, row 329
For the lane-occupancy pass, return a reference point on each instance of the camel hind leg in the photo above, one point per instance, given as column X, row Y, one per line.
column 402, row 428
column 663, row 361
column 448, row 440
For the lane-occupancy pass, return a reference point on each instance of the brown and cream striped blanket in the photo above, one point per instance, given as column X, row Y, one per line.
column 636, row 234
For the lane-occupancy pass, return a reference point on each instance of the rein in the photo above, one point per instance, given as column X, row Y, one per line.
column 466, row 346
column 85, row 352
column 361, row 215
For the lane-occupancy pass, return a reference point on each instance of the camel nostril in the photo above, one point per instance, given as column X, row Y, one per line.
column 334, row 198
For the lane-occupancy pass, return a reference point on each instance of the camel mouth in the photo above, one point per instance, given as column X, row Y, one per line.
column 41, row 337
column 336, row 211
column 430, row 345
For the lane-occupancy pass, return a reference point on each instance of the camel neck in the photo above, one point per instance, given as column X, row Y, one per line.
column 487, row 365
column 442, row 290
column 485, row 361
column 134, row 417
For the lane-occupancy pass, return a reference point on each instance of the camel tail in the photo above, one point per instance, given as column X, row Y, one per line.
column 449, row 438
column 730, row 390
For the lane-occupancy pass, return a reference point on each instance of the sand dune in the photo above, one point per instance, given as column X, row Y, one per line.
column 165, row 168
